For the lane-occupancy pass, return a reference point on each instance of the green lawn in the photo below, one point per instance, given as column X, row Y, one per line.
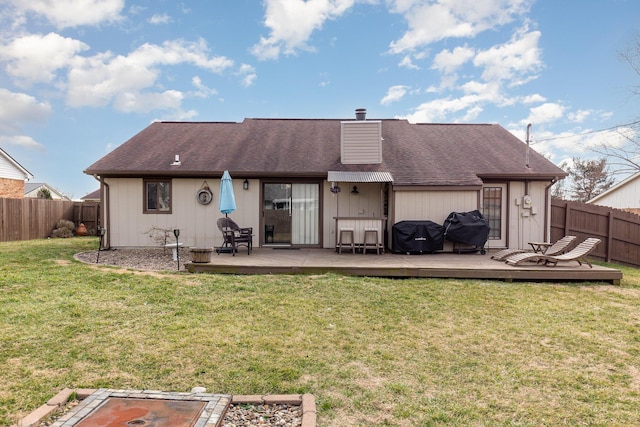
column 373, row 351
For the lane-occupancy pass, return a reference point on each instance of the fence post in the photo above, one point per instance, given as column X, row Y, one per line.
column 567, row 210
column 609, row 237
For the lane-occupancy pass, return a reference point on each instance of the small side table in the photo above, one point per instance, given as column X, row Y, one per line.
column 540, row 247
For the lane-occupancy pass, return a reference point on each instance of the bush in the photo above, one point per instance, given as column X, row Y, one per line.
column 64, row 229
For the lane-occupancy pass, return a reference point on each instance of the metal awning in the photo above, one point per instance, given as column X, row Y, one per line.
column 343, row 176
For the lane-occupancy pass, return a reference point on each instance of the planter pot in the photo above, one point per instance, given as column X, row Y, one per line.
column 201, row 255
column 81, row 230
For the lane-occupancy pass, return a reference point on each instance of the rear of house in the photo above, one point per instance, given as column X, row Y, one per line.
column 298, row 181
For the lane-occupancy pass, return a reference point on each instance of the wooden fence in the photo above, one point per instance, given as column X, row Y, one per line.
column 30, row 218
column 619, row 230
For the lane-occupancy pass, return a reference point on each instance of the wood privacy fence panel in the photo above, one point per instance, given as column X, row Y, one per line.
column 87, row 213
column 619, row 230
column 30, row 218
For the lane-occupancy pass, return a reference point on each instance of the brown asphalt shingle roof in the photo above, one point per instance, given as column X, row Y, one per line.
column 415, row 154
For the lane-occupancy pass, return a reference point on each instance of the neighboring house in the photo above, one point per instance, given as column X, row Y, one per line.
column 293, row 177
column 33, row 189
column 625, row 195
column 12, row 177
column 94, row 196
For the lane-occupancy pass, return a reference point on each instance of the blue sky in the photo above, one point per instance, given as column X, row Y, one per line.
column 80, row 77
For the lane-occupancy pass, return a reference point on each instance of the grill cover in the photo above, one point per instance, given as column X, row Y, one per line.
column 417, row 237
column 470, row 228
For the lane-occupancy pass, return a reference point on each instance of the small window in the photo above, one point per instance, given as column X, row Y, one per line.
column 157, row 196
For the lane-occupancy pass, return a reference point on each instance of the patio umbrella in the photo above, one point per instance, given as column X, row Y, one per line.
column 227, row 202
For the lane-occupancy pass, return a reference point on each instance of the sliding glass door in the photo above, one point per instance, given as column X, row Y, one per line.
column 291, row 213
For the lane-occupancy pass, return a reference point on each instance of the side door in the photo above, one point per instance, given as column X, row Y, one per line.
column 494, row 209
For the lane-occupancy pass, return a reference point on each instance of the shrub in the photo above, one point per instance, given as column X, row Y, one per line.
column 64, row 229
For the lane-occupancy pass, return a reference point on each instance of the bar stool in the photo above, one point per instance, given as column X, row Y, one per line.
column 371, row 234
column 346, row 232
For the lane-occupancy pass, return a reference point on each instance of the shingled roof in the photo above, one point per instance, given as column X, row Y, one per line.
column 414, row 154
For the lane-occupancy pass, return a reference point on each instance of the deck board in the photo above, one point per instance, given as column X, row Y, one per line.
column 439, row 265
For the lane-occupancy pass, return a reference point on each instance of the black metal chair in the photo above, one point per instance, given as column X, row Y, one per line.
column 234, row 236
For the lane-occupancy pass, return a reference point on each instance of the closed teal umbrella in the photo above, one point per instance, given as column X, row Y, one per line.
column 227, row 202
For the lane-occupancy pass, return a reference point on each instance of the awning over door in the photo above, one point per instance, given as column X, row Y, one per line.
column 343, row 176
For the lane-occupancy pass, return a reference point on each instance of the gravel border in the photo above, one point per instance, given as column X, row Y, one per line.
column 149, row 259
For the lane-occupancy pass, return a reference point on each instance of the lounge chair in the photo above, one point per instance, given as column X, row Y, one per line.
column 234, row 236
column 560, row 246
column 579, row 254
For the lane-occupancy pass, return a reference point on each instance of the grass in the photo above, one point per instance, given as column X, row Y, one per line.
column 423, row 352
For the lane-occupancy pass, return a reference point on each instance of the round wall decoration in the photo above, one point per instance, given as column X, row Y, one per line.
column 204, row 196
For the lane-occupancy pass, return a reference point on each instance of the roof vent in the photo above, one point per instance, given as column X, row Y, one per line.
column 361, row 113
column 176, row 161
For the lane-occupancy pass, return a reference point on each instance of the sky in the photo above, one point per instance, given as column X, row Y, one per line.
column 80, row 77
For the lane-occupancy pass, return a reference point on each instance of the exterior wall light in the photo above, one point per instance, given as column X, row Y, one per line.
column 245, row 184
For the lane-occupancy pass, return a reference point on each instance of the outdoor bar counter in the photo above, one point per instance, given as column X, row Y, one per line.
column 359, row 224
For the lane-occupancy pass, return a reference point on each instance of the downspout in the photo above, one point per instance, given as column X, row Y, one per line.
column 104, row 202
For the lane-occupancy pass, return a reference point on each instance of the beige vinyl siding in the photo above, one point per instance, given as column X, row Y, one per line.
column 197, row 223
column 433, row 205
column 330, row 210
column 527, row 225
column 361, row 142
column 366, row 204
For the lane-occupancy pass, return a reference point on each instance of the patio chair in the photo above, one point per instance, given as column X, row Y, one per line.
column 560, row 246
column 579, row 254
column 234, row 236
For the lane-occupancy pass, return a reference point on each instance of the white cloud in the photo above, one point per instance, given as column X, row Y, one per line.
column 475, row 96
column 147, row 101
column 516, row 61
column 448, row 61
column 579, row 116
column 473, row 77
column 437, row 110
column 178, row 115
column 203, row 90
column 21, row 141
column 160, row 18
column 72, row 13
column 407, row 62
column 394, row 94
column 435, row 20
column 105, row 78
column 533, row 99
column 545, row 113
column 248, row 75
column 291, row 23
column 36, row 58
column 19, row 108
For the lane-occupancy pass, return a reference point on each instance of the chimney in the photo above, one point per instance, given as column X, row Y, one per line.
column 361, row 113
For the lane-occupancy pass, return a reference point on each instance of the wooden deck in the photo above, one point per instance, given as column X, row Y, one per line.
column 440, row 265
